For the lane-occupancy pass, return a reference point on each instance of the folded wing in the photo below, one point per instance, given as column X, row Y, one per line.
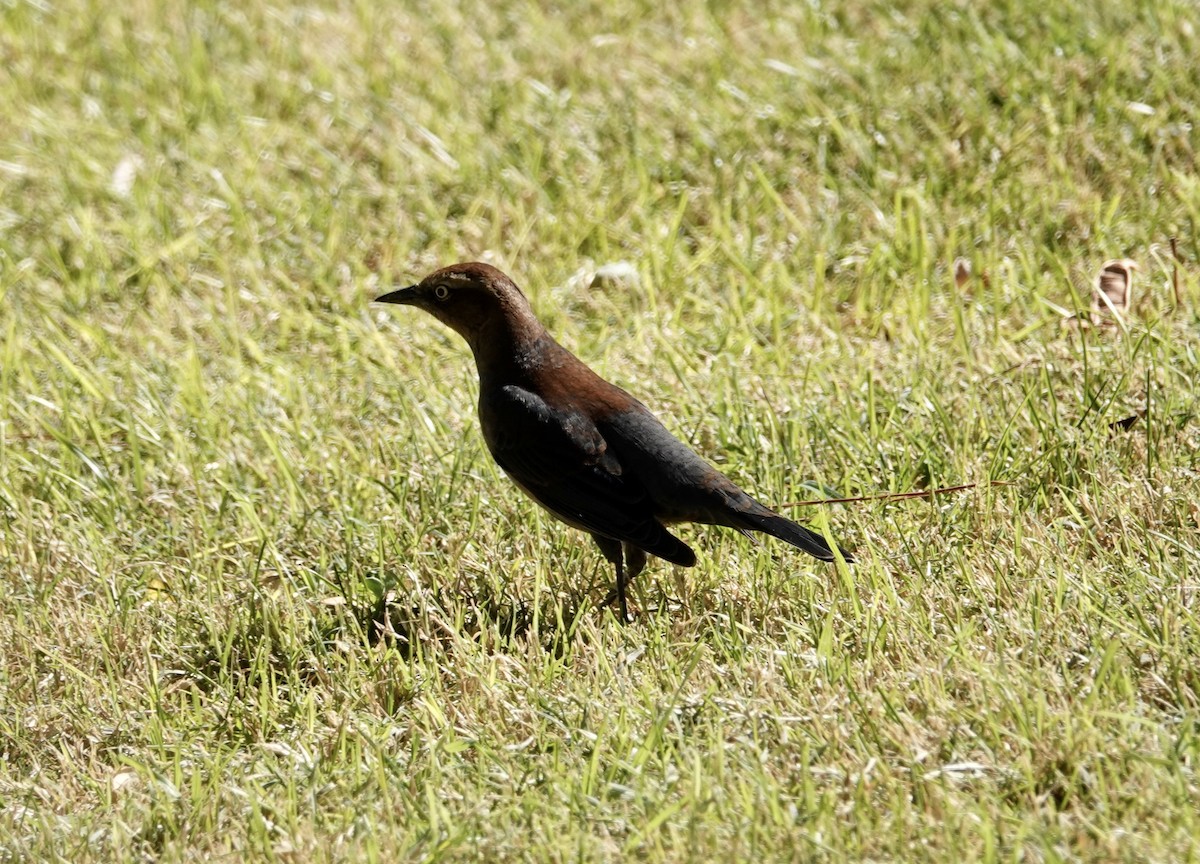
column 562, row 461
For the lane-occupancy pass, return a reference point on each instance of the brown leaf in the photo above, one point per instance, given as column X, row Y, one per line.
column 1125, row 423
column 962, row 272
column 1114, row 286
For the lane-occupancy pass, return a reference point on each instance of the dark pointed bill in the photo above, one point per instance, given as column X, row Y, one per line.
column 400, row 295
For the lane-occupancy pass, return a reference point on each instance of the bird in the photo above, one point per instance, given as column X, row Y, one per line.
column 585, row 450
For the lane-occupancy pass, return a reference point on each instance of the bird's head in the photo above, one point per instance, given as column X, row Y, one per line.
column 470, row 298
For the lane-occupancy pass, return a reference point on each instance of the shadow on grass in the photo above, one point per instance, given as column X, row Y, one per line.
column 280, row 644
column 416, row 621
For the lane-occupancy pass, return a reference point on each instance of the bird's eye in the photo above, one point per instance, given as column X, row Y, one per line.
column 441, row 292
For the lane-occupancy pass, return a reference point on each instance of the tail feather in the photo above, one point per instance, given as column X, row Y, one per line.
column 790, row 532
column 670, row 548
column 653, row 538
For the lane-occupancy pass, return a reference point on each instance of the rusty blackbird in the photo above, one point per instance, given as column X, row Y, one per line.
column 582, row 448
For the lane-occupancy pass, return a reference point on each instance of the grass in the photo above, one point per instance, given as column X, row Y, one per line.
column 265, row 597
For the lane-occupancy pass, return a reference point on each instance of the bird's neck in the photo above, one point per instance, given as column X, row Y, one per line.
column 507, row 347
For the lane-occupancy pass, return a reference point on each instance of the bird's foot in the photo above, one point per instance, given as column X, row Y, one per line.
column 622, row 613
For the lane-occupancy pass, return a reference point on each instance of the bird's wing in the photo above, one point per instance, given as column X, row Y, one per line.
column 690, row 489
column 560, row 458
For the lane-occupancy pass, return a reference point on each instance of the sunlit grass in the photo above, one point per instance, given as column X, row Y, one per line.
column 265, row 596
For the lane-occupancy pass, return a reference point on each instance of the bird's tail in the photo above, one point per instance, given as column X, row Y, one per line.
column 670, row 548
column 762, row 519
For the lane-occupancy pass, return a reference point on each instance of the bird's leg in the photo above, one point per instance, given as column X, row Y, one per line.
column 620, row 589
column 629, row 561
column 616, row 556
column 635, row 562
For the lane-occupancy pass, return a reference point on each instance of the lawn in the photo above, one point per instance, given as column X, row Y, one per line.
column 264, row 596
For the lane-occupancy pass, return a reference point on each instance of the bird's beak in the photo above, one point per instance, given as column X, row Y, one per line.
column 404, row 296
